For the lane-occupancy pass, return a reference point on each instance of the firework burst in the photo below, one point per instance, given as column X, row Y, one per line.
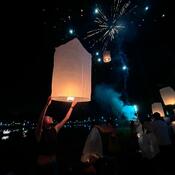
column 107, row 27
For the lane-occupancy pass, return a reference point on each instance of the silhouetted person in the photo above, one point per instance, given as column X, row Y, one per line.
column 162, row 133
column 106, row 165
column 46, row 136
column 161, row 130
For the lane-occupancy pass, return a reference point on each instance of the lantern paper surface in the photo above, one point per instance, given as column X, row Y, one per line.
column 157, row 107
column 168, row 95
column 71, row 77
column 106, row 57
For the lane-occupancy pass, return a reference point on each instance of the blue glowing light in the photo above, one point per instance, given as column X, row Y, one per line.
column 124, row 67
column 99, row 59
column 97, row 53
column 146, row 8
column 96, row 11
column 129, row 112
column 136, row 108
column 71, row 31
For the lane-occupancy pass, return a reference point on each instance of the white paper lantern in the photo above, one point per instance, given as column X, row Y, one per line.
column 168, row 95
column 157, row 107
column 106, row 57
column 71, row 77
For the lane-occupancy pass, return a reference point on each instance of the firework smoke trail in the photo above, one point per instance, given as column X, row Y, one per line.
column 110, row 99
column 108, row 27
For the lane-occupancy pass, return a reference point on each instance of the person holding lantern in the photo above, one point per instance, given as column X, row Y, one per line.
column 46, row 136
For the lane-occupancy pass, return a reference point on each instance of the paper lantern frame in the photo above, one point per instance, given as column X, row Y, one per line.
column 157, row 107
column 71, row 77
column 168, row 95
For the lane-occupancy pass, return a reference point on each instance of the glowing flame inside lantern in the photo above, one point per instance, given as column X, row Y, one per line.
column 106, row 57
column 70, row 98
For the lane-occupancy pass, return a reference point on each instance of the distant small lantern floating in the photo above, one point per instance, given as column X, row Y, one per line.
column 106, row 56
column 157, row 107
column 168, row 95
column 71, row 78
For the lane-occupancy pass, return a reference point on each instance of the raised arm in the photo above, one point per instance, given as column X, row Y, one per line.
column 40, row 120
column 66, row 118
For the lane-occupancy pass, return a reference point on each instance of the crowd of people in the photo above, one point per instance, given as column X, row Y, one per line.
column 156, row 140
column 106, row 151
column 142, row 147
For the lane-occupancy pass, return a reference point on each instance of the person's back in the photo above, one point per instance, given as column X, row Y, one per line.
column 161, row 131
column 48, row 142
column 47, row 148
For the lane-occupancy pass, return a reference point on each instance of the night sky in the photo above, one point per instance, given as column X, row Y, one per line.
column 30, row 31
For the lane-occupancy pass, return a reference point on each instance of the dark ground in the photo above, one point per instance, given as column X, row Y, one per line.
column 18, row 155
